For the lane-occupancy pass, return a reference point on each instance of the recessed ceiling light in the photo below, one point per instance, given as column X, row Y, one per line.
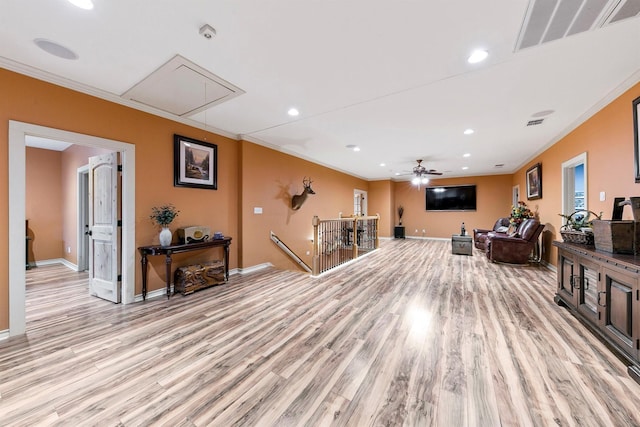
column 55, row 49
column 82, row 4
column 397, row 173
column 468, row 131
column 477, row 55
column 293, row 112
column 466, row 155
column 356, row 148
column 383, row 164
column 464, row 168
column 353, row 147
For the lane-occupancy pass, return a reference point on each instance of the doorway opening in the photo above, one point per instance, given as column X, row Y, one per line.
column 515, row 195
column 359, row 202
column 17, row 166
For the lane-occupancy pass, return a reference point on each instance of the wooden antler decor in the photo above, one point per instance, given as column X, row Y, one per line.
column 299, row 199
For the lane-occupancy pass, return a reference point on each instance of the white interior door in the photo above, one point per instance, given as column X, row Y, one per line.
column 359, row 202
column 104, row 253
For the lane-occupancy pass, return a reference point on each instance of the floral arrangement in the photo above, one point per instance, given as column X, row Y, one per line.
column 519, row 213
column 163, row 215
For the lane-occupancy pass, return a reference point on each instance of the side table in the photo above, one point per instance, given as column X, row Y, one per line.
column 175, row 249
column 461, row 245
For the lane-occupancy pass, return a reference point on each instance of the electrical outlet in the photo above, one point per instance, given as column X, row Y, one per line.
column 416, row 230
column 308, row 253
column 424, row 231
column 68, row 249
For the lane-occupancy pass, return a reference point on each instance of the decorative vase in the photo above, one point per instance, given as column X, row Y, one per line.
column 165, row 237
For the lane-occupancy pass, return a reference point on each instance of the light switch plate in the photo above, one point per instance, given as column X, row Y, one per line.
column 257, row 211
column 603, row 196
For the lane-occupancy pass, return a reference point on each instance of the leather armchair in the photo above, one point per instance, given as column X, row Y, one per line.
column 514, row 249
column 480, row 234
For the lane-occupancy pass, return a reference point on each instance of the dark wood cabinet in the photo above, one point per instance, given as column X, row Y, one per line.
column 602, row 290
column 618, row 306
column 398, row 232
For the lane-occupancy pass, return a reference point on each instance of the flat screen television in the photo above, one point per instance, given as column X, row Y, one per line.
column 451, row 198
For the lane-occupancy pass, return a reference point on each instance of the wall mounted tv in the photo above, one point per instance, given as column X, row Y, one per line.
column 451, row 198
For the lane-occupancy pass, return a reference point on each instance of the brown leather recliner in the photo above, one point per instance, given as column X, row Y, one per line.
column 516, row 248
column 480, row 234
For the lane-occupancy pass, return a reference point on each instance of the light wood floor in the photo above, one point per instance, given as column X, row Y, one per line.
column 410, row 335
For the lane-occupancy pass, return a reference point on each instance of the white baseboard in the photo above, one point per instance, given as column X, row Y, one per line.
column 428, row 238
column 4, row 334
column 57, row 261
column 549, row 266
column 250, row 269
column 154, row 294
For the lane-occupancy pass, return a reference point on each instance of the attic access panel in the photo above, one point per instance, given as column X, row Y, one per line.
column 182, row 88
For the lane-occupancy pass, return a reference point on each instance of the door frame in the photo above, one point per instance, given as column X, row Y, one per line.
column 362, row 194
column 83, row 218
column 17, row 187
column 568, row 183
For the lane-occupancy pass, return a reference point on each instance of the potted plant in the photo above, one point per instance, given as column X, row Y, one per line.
column 163, row 216
column 577, row 227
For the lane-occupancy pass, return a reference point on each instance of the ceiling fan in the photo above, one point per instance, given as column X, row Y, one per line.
column 421, row 174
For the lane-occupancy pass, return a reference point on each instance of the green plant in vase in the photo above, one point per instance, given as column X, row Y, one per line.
column 579, row 220
column 163, row 216
column 577, row 227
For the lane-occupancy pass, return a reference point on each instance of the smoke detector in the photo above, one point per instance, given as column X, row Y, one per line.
column 207, row 31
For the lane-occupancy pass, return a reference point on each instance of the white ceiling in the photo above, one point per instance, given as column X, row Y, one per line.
column 388, row 76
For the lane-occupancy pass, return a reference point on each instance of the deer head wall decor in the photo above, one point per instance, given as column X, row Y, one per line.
column 298, row 199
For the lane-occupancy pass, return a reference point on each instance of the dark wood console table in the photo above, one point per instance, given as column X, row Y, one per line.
column 176, row 249
column 603, row 290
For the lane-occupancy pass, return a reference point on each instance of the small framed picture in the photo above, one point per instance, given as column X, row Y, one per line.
column 195, row 163
column 534, row 182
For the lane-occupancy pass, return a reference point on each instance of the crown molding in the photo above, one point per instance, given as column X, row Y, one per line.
column 35, row 73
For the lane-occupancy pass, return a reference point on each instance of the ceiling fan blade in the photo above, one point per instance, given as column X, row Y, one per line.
column 433, row 172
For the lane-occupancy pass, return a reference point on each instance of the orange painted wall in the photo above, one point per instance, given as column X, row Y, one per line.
column 381, row 201
column 269, row 179
column 32, row 101
column 493, row 195
column 43, row 203
column 607, row 138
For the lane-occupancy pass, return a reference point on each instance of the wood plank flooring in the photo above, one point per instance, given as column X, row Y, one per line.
column 409, row 335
